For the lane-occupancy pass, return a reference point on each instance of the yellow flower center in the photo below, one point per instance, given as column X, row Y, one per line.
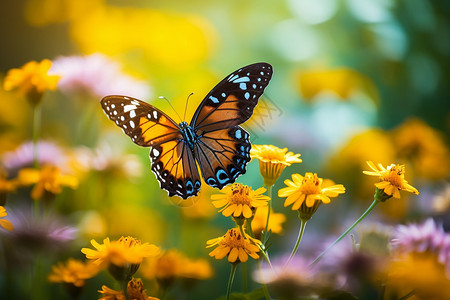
column 311, row 184
column 273, row 154
column 240, row 194
column 233, row 239
column 395, row 174
column 129, row 241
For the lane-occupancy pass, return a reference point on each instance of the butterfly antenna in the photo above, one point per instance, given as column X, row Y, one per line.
column 186, row 106
column 162, row 97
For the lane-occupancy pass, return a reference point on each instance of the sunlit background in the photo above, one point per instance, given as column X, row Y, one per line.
column 354, row 80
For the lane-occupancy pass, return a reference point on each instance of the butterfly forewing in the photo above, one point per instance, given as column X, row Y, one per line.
column 145, row 124
column 231, row 102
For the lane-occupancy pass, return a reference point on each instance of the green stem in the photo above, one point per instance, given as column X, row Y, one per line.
column 244, row 277
column 299, row 238
column 36, row 130
column 242, row 231
column 124, row 285
column 230, row 280
column 409, row 295
column 269, row 204
column 266, row 256
column 372, row 206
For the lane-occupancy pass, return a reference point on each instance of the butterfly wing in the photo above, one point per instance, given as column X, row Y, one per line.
column 231, row 101
column 223, row 147
column 223, row 155
column 172, row 161
column 146, row 125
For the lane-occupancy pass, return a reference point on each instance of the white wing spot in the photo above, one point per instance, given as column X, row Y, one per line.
column 254, row 86
column 112, row 106
column 247, row 95
column 107, row 108
column 115, row 112
column 132, row 114
column 224, row 95
column 259, row 79
column 243, row 86
column 135, row 102
column 155, row 152
column 155, row 114
column 262, row 73
column 122, row 118
column 129, row 107
column 132, row 124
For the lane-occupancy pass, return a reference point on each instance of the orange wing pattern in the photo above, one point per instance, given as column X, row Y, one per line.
column 223, row 155
column 231, row 102
column 145, row 124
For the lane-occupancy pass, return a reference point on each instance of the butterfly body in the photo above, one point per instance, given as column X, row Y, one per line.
column 213, row 139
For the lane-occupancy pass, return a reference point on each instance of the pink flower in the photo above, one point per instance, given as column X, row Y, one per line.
column 49, row 154
column 425, row 237
column 98, row 75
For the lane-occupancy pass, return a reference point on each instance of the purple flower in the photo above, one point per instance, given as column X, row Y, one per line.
column 48, row 154
column 98, row 75
column 425, row 237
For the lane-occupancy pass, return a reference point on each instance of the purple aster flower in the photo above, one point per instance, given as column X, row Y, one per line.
column 49, row 154
column 425, row 237
column 98, row 75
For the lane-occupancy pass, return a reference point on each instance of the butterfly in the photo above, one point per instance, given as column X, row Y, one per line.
column 213, row 139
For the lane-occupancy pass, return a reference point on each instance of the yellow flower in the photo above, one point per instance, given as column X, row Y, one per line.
column 135, row 291
column 172, row 265
column 3, row 222
column 74, row 272
column 272, row 161
column 239, row 200
column 306, row 193
column 126, row 250
column 421, row 272
column 32, row 80
column 233, row 245
column 392, row 179
column 260, row 219
column 48, row 180
column 6, row 186
column 423, row 146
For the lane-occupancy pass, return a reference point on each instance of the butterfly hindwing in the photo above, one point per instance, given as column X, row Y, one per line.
column 145, row 124
column 174, row 166
column 231, row 101
column 223, row 155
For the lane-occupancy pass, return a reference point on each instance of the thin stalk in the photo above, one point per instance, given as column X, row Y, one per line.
column 124, row 286
column 230, row 280
column 241, row 229
column 266, row 257
column 409, row 295
column 299, row 239
column 269, row 193
column 244, row 277
column 36, row 130
column 318, row 258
